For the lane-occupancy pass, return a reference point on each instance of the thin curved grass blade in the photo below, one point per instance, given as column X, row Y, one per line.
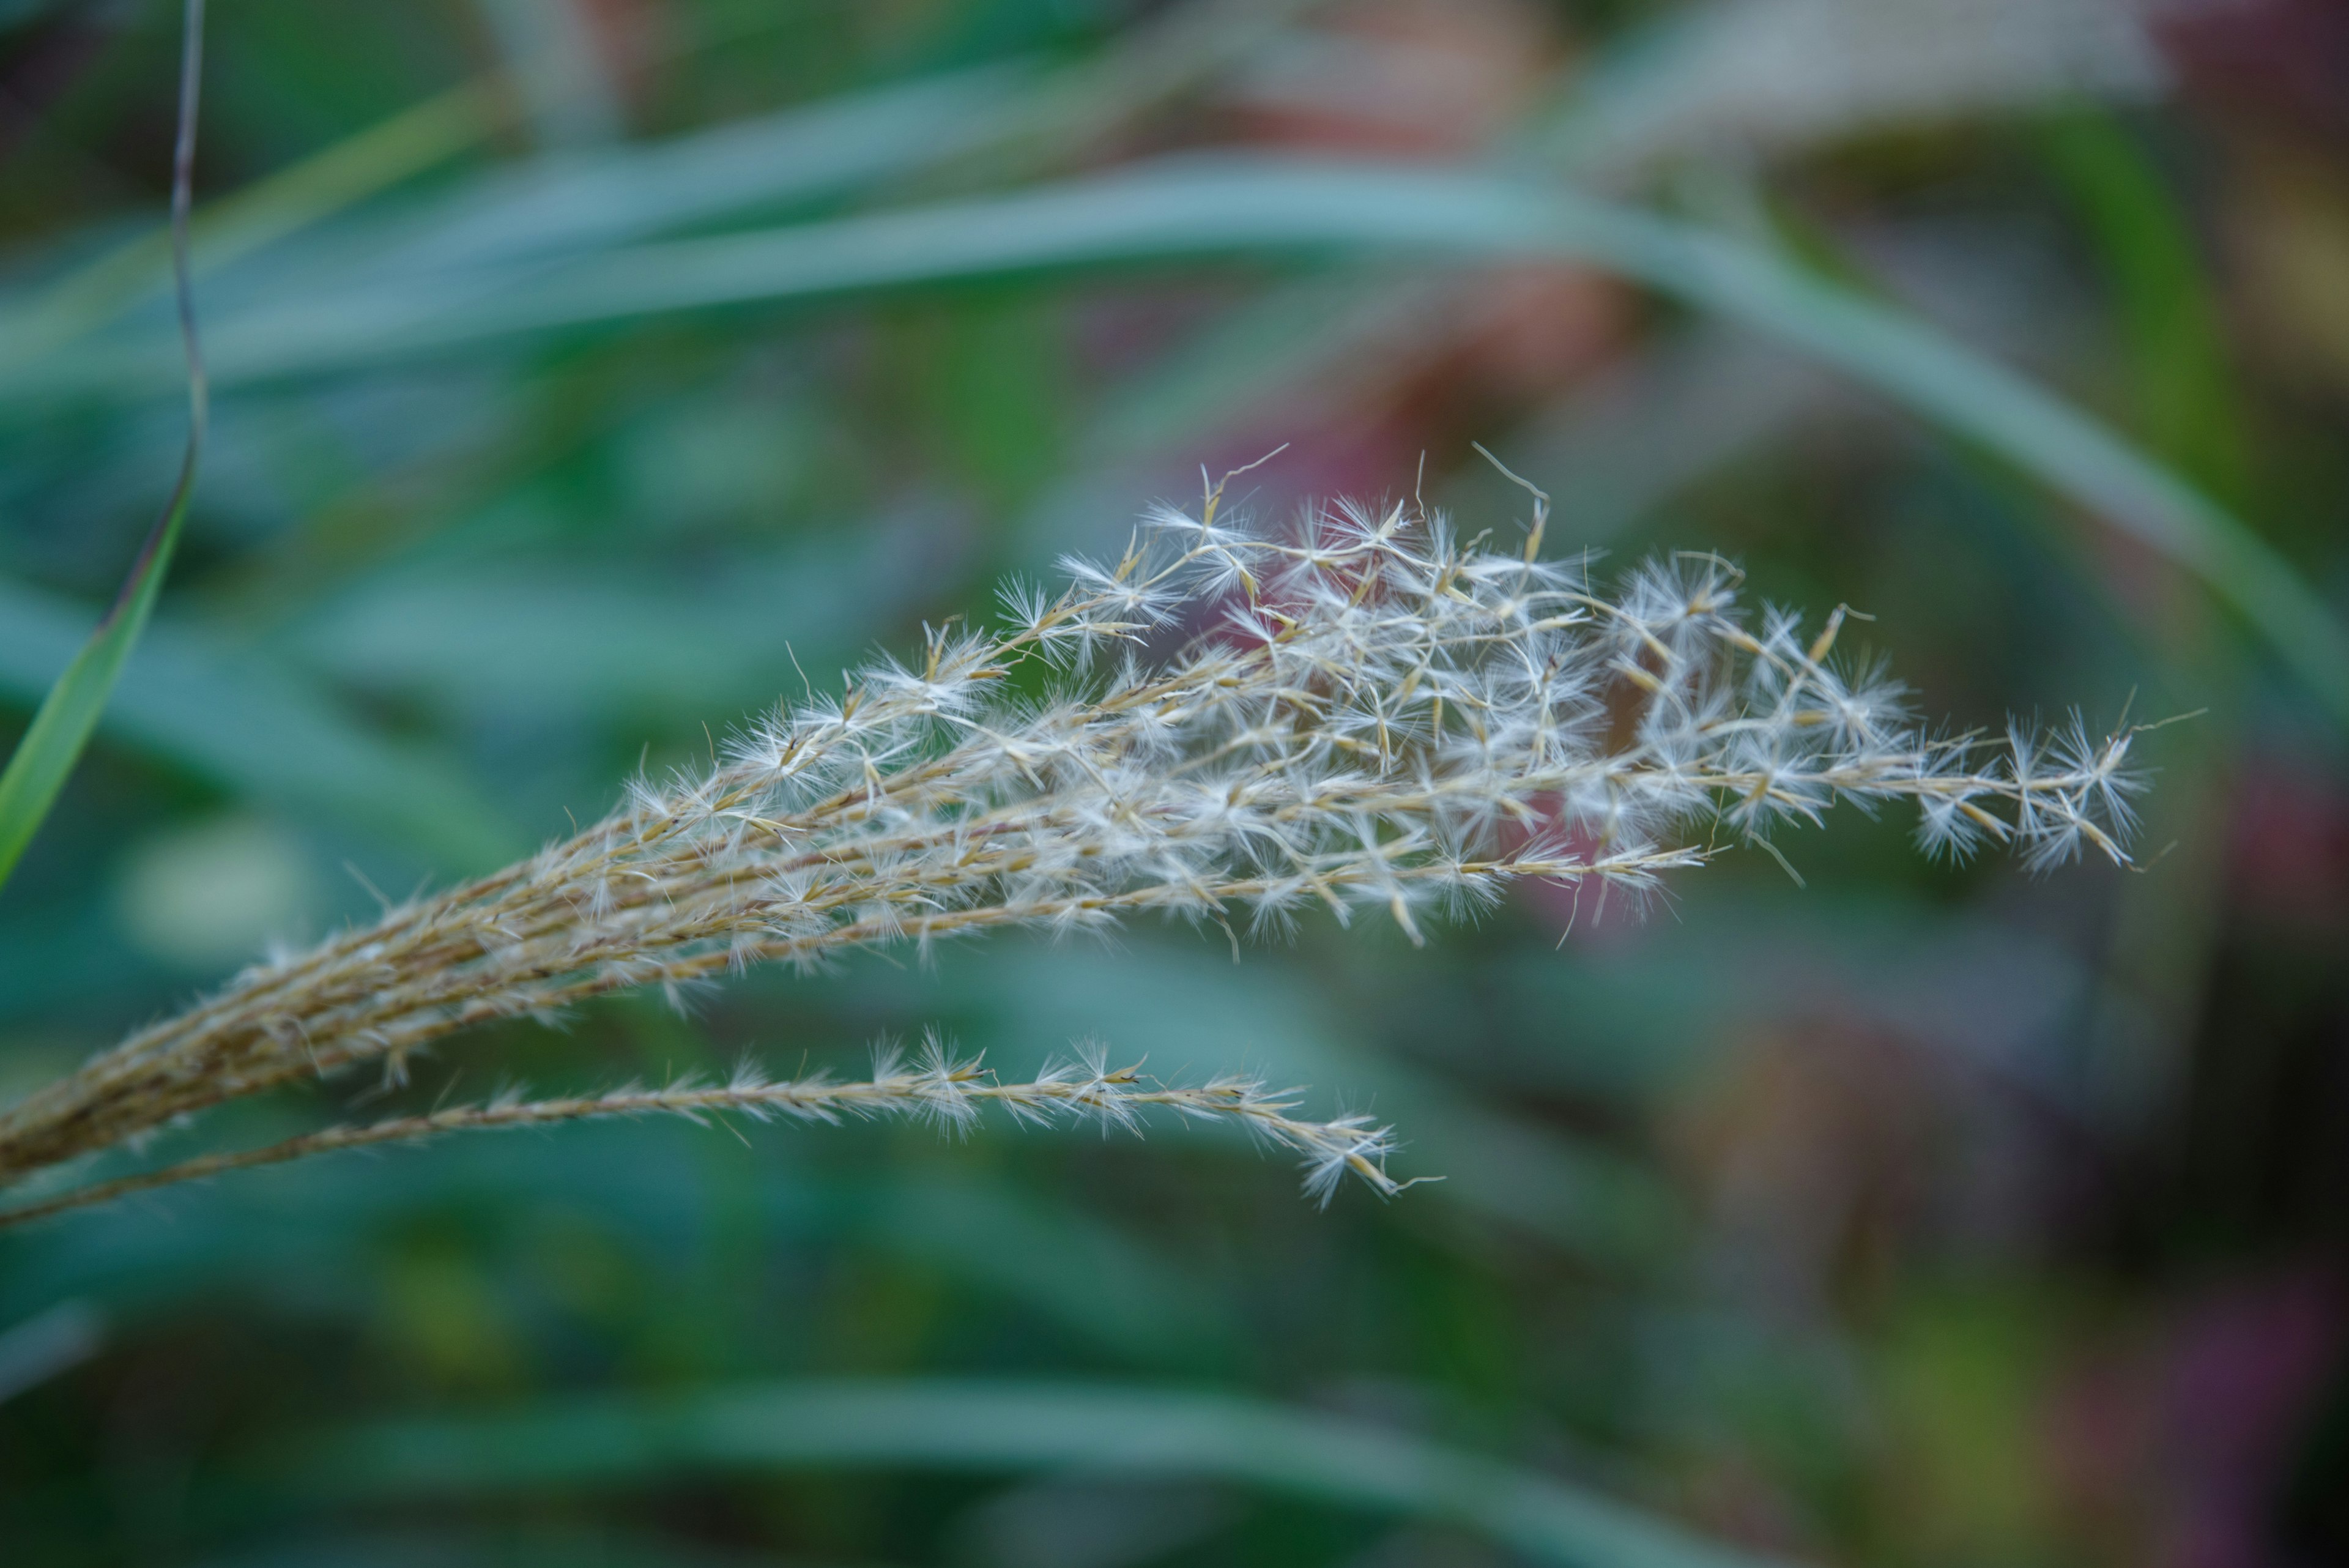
column 37, row 769
column 258, row 729
column 994, row 1426
column 61, row 727
column 1194, row 209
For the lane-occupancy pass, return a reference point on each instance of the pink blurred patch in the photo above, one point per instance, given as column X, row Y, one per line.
column 2284, row 60
column 2290, row 849
column 2243, row 1373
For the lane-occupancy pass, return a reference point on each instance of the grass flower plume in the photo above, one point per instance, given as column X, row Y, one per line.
column 1360, row 712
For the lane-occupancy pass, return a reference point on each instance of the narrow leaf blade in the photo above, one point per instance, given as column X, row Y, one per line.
column 999, row 1427
column 38, row 770
column 1194, row 208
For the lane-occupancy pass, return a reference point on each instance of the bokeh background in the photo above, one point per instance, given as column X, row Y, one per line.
column 1915, row 1215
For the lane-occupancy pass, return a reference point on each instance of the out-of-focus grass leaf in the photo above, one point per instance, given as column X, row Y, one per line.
column 1640, row 433
column 554, row 60
column 488, row 1546
column 576, row 200
column 1252, row 353
column 257, row 732
column 1000, row 114
column 1223, row 207
column 519, row 631
column 1772, row 77
column 1643, row 1022
column 316, row 188
column 2162, row 295
column 991, row 1426
column 64, row 953
column 311, row 1239
column 1195, row 1011
column 2179, row 381
column 583, row 201
column 40, row 1347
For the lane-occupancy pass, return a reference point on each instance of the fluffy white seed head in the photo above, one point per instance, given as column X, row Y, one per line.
column 1368, row 716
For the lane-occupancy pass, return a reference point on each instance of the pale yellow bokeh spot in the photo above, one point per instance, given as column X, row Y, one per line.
column 210, row 895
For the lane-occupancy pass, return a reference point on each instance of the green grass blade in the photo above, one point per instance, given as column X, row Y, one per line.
column 636, row 1188
column 1222, row 208
column 997, row 1426
column 1572, row 1193
column 487, row 1545
column 2163, row 300
column 61, row 727
column 583, row 201
column 307, row 193
column 1199, row 209
column 255, row 729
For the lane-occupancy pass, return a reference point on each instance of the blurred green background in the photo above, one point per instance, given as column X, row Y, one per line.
column 584, row 363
